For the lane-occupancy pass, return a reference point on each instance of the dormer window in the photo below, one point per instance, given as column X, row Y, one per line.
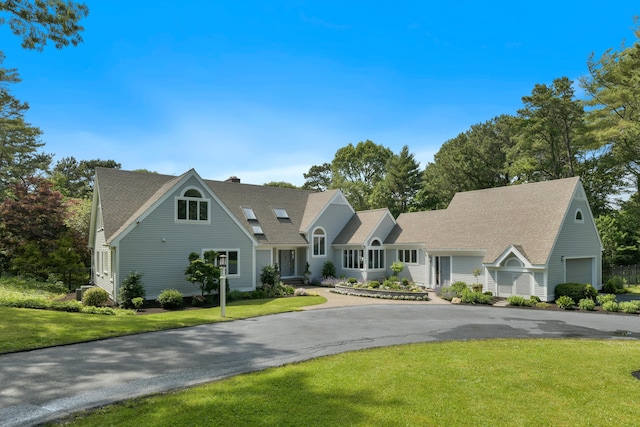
column 579, row 218
column 281, row 214
column 192, row 207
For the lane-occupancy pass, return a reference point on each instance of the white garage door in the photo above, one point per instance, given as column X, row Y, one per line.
column 579, row 270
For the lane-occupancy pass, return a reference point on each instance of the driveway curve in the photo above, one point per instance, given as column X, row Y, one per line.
column 41, row 385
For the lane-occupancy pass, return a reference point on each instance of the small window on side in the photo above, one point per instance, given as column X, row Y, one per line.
column 579, row 217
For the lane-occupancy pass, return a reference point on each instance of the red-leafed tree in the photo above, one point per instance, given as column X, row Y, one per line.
column 33, row 236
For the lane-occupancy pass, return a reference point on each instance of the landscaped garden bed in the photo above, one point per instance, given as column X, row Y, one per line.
column 393, row 290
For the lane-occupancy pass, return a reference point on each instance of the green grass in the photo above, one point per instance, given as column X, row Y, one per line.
column 632, row 289
column 475, row 383
column 25, row 329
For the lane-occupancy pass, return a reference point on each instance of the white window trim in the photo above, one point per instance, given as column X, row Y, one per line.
column 575, row 216
column 360, row 259
column 226, row 251
column 371, row 250
column 313, row 243
column 188, row 199
column 410, row 253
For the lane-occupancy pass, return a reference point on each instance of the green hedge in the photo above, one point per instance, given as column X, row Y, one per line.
column 576, row 291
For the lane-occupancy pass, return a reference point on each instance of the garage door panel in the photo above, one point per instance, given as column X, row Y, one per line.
column 579, row 270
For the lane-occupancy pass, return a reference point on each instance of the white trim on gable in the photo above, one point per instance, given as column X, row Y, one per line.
column 510, row 253
column 337, row 199
column 142, row 213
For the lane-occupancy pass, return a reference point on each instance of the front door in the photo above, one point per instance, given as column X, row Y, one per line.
column 287, row 262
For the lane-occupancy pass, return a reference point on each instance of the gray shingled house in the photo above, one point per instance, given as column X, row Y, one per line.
column 523, row 239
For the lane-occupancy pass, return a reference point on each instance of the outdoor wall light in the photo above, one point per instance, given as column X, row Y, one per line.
column 561, row 258
column 163, row 240
column 222, row 263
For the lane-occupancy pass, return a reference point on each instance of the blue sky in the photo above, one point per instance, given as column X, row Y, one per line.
column 265, row 89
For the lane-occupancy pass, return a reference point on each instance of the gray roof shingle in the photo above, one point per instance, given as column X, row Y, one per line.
column 126, row 195
column 527, row 216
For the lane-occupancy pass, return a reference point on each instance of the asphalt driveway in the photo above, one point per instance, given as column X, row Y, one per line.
column 41, row 385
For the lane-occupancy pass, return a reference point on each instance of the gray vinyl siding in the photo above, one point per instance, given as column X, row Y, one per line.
column 332, row 220
column 263, row 258
column 416, row 273
column 162, row 263
column 462, row 269
column 491, row 283
column 575, row 240
column 539, row 288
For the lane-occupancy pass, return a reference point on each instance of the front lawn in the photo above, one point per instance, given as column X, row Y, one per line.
column 25, row 329
column 475, row 383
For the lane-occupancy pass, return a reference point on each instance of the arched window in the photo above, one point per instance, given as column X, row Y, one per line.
column 319, row 242
column 513, row 262
column 579, row 217
column 376, row 255
column 192, row 207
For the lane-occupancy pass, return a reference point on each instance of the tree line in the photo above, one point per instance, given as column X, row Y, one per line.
column 45, row 210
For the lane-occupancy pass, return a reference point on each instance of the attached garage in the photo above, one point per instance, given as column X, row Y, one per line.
column 514, row 283
column 579, row 270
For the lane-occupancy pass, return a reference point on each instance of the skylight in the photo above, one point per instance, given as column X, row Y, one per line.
column 257, row 229
column 249, row 214
column 281, row 213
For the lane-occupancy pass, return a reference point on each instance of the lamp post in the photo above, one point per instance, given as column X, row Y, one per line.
column 222, row 263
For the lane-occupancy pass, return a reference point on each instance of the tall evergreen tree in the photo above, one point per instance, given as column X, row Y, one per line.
column 400, row 185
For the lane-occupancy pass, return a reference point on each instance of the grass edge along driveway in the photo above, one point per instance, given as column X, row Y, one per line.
column 28, row 329
column 497, row 382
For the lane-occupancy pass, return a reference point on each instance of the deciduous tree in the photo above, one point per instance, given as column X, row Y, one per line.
column 357, row 169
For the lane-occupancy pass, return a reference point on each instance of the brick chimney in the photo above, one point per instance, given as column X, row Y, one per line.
column 233, row 179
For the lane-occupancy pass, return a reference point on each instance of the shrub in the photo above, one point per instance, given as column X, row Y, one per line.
column 543, row 304
column 352, row 280
column 70, row 306
column 488, row 293
column 573, row 290
column 198, row 300
column 616, row 282
column 405, row 282
column 590, row 291
column 610, row 306
column 516, row 301
column 470, row 297
column 609, row 288
column 95, row 296
column 137, row 302
column 534, row 299
column 627, row 307
column 458, row 287
column 170, row 299
column 586, row 304
column 328, row 269
column 565, row 302
column 602, row 299
column 236, row 295
column 131, row 288
column 374, row 284
column 446, row 292
column 270, row 276
column 397, row 267
column 98, row 310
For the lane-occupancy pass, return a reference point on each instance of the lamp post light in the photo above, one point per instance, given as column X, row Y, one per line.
column 222, row 263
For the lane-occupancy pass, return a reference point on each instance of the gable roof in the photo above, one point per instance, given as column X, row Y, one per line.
column 527, row 216
column 125, row 196
column 361, row 227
